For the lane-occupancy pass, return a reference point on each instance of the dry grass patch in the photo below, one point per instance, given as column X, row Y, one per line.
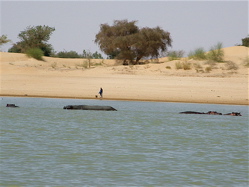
column 231, row 65
column 183, row 65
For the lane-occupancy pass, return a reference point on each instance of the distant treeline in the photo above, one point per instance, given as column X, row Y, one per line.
column 123, row 40
column 74, row 54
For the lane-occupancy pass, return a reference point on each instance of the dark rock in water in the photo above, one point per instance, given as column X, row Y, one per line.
column 234, row 114
column 12, row 105
column 89, row 107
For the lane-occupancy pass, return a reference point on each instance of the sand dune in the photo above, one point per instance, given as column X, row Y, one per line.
column 159, row 80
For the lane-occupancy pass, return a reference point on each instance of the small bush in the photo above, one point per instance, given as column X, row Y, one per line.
column 175, row 55
column 186, row 65
column 245, row 41
column 246, row 62
column 168, row 67
column 198, row 67
column 216, row 53
column 208, row 69
column 211, row 63
column 198, row 54
column 183, row 65
column 231, row 65
column 35, row 53
column 178, row 65
column 68, row 54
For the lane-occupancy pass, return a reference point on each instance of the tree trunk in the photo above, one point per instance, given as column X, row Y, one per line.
column 137, row 59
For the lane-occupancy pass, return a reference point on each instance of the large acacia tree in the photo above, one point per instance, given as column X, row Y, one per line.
column 34, row 37
column 125, row 41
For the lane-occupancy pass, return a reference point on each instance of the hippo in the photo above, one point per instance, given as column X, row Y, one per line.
column 89, row 107
column 234, row 114
column 191, row 112
column 12, row 105
column 209, row 112
column 213, row 113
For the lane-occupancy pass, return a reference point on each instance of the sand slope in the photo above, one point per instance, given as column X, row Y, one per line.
column 159, row 80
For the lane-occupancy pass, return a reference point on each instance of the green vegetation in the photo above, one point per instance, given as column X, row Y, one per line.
column 74, row 54
column 245, row 41
column 125, row 41
column 35, row 53
column 88, row 54
column 34, row 37
column 198, row 54
column 4, row 39
column 69, row 54
column 175, row 55
column 216, row 53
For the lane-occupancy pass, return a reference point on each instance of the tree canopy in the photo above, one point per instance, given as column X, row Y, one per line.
column 125, row 41
column 4, row 39
column 245, row 41
column 34, row 37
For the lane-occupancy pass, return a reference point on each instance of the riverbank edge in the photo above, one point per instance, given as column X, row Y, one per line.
column 126, row 99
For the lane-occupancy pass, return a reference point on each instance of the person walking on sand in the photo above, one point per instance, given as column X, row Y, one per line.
column 101, row 92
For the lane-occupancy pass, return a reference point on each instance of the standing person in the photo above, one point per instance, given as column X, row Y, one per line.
column 101, row 92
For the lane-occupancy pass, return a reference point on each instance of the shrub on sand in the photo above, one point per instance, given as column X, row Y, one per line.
column 216, row 53
column 183, row 65
column 198, row 54
column 211, row 63
column 208, row 69
column 178, row 65
column 186, row 65
column 175, row 55
column 35, row 53
column 198, row 67
column 246, row 62
column 231, row 65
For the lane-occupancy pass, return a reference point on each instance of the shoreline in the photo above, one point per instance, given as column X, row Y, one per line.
column 123, row 99
column 225, row 83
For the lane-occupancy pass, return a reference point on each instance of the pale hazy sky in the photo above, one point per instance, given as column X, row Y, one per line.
column 192, row 24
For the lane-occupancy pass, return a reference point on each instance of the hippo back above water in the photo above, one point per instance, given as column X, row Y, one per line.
column 12, row 105
column 89, row 107
column 211, row 113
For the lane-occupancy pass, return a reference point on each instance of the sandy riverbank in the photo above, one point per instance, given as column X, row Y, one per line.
column 71, row 78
